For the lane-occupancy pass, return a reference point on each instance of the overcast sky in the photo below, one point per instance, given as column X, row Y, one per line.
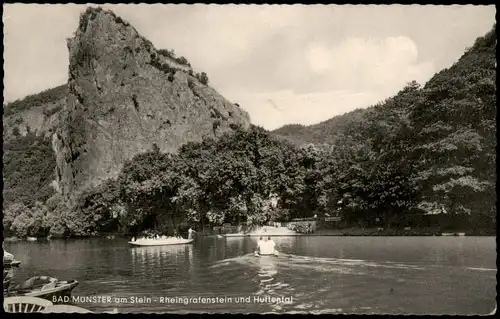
column 283, row 64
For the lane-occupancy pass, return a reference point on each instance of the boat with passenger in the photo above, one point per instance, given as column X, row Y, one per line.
column 266, row 247
column 160, row 241
column 153, row 238
column 44, row 287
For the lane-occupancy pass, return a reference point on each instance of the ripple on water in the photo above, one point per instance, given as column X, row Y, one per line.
column 481, row 269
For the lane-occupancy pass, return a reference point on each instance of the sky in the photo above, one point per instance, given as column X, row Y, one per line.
column 282, row 64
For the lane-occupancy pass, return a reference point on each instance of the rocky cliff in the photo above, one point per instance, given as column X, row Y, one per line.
column 37, row 113
column 124, row 97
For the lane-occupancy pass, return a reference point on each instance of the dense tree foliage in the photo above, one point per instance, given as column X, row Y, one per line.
column 428, row 149
column 28, row 169
column 454, row 121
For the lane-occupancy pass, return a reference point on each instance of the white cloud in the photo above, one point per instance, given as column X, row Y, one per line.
column 381, row 63
column 314, row 62
column 275, row 109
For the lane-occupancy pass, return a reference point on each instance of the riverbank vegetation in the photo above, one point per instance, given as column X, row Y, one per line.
column 427, row 150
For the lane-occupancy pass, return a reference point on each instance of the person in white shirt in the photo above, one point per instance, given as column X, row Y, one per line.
column 191, row 233
column 259, row 244
column 267, row 247
column 271, row 243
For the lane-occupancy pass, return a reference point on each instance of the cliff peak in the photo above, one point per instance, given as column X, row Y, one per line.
column 124, row 96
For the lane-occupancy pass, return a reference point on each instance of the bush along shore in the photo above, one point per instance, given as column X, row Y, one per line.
column 249, row 178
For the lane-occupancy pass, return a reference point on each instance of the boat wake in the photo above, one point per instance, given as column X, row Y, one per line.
column 353, row 262
column 320, row 264
column 304, row 276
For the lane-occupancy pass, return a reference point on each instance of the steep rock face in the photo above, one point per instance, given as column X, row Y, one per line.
column 38, row 113
column 34, row 120
column 123, row 98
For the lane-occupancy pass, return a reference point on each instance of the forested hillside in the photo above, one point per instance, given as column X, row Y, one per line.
column 427, row 150
column 45, row 97
column 331, row 131
column 28, row 169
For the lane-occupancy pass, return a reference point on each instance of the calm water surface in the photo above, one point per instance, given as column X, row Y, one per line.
column 388, row 275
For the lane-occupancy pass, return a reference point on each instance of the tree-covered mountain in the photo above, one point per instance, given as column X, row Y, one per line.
column 427, row 150
column 327, row 132
column 431, row 147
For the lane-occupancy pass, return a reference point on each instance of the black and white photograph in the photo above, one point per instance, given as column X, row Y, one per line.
column 249, row 159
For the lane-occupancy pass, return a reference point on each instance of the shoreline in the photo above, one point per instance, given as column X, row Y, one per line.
column 360, row 235
column 319, row 233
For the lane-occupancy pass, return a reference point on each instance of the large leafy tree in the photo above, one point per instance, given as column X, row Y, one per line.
column 455, row 135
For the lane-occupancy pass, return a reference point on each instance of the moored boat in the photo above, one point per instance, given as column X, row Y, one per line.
column 9, row 261
column 44, row 287
column 31, row 239
column 161, row 241
column 12, row 263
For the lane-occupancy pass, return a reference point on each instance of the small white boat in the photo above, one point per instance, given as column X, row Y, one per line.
column 31, row 239
column 220, row 236
column 160, row 241
column 461, row 234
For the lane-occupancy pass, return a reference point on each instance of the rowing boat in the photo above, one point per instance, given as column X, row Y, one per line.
column 160, row 241
column 44, row 287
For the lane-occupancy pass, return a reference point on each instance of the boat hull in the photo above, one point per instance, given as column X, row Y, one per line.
column 160, row 242
column 275, row 254
column 14, row 263
column 64, row 290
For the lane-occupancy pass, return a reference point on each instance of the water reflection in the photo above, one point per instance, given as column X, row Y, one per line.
column 159, row 255
column 235, row 243
column 285, row 244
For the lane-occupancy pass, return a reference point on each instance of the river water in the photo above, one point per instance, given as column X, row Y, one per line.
column 313, row 274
